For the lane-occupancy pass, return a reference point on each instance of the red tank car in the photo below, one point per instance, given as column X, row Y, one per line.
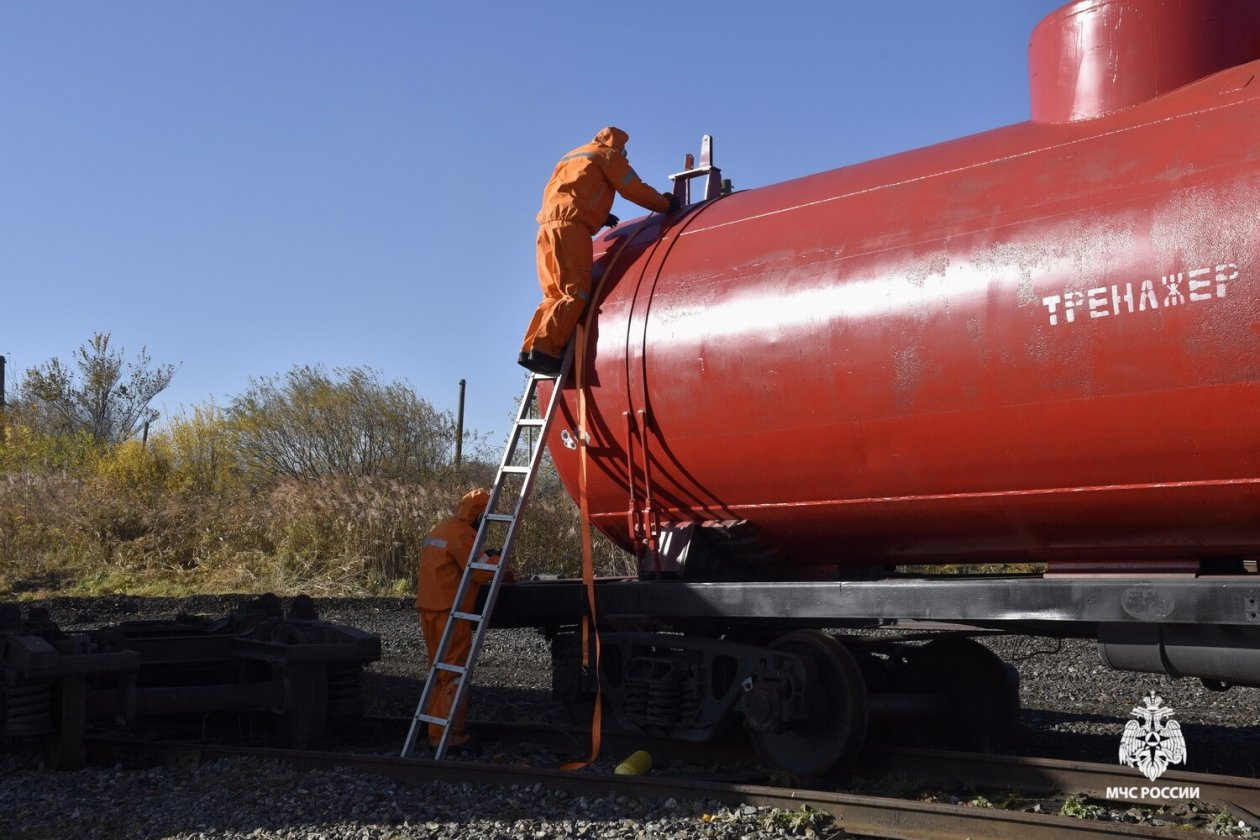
column 1041, row 342
column 1036, row 343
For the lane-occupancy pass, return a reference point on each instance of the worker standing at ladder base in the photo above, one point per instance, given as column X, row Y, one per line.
column 443, row 556
column 576, row 203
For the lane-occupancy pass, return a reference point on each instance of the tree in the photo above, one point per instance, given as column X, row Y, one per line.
column 94, row 397
column 308, row 424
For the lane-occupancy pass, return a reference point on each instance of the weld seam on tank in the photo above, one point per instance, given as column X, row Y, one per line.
column 649, row 421
column 1006, row 494
column 1052, row 147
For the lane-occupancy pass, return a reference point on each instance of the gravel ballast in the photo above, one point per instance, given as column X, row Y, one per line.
column 1074, row 708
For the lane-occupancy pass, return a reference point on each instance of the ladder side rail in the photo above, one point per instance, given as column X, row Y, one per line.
column 509, row 451
column 421, row 716
column 464, row 680
column 536, row 454
column 513, row 443
column 535, row 458
column 492, row 592
column 438, row 657
column 443, row 647
column 509, row 541
column 448, row 632
column 509, row 455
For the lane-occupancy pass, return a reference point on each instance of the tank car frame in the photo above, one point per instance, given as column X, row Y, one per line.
column 1034, row 345
column 688, row 659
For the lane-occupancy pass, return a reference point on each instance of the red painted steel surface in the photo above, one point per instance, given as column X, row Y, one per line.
column 1095, row 57
column 1038, row 342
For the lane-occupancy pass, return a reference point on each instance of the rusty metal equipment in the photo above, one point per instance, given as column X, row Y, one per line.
column 44, row 676
column 301, row 670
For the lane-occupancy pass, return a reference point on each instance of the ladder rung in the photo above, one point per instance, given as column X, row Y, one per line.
column 499, row 517
column 454, row 669
column 517, row 470
column 466, row 616
column 440, row 721
column 531, row 421
column 484, row 567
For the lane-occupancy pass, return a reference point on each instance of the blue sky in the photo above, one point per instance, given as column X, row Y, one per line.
column 247, row 185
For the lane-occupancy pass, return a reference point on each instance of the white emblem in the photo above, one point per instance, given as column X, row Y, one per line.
column 1154, row 740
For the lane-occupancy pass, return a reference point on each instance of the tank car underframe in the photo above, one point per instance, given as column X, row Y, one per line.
column 1066, row 606
column 691, row 660
column 1207, row 627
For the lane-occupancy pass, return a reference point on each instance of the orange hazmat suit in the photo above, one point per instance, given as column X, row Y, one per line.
column 576, row 204
column 443, row 556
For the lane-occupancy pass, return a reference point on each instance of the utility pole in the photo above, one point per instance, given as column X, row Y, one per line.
column 459, row 426
column 4, row 405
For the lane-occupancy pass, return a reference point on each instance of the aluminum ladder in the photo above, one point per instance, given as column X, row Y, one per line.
column 513, row 478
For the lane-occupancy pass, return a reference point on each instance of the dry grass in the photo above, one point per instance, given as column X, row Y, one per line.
column 198, row 509
column 326, row 536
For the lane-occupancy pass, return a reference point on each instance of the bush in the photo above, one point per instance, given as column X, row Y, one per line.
column 309, row 424
column 184, row 513
column 25, row 450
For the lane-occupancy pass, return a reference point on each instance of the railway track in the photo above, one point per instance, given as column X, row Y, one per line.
column 859, row 814
column 938, row 768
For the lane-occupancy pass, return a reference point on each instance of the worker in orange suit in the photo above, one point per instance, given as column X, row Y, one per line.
column 443, row 556
column 576, row 204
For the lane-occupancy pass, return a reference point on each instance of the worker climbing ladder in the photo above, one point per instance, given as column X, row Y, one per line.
column 513, row 478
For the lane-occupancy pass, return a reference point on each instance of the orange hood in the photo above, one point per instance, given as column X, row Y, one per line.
column 612, row 137
column 472, row 505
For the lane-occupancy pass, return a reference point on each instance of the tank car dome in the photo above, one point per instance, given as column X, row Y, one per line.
column 1095, row 57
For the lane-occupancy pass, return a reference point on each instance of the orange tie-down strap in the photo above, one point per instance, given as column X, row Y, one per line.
column 590, row 631
column 590, row 628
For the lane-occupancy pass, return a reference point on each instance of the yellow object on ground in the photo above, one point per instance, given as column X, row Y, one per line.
column 637, row 764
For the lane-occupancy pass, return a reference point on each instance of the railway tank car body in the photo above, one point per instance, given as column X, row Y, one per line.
column 1038, row 343
column 1035, row 343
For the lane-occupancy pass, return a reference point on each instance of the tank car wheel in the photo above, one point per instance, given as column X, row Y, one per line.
column 835, row 728
column 984, row 692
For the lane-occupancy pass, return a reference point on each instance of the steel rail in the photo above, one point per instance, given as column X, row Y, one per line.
column 946, row 769
column 1236, row 794
column 874, row 816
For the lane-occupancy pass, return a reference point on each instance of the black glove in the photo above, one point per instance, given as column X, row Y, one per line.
column 493, row 552
column 611, row 221
column 674, row 203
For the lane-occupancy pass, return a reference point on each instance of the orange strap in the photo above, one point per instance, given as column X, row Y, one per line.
column 590, row 630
